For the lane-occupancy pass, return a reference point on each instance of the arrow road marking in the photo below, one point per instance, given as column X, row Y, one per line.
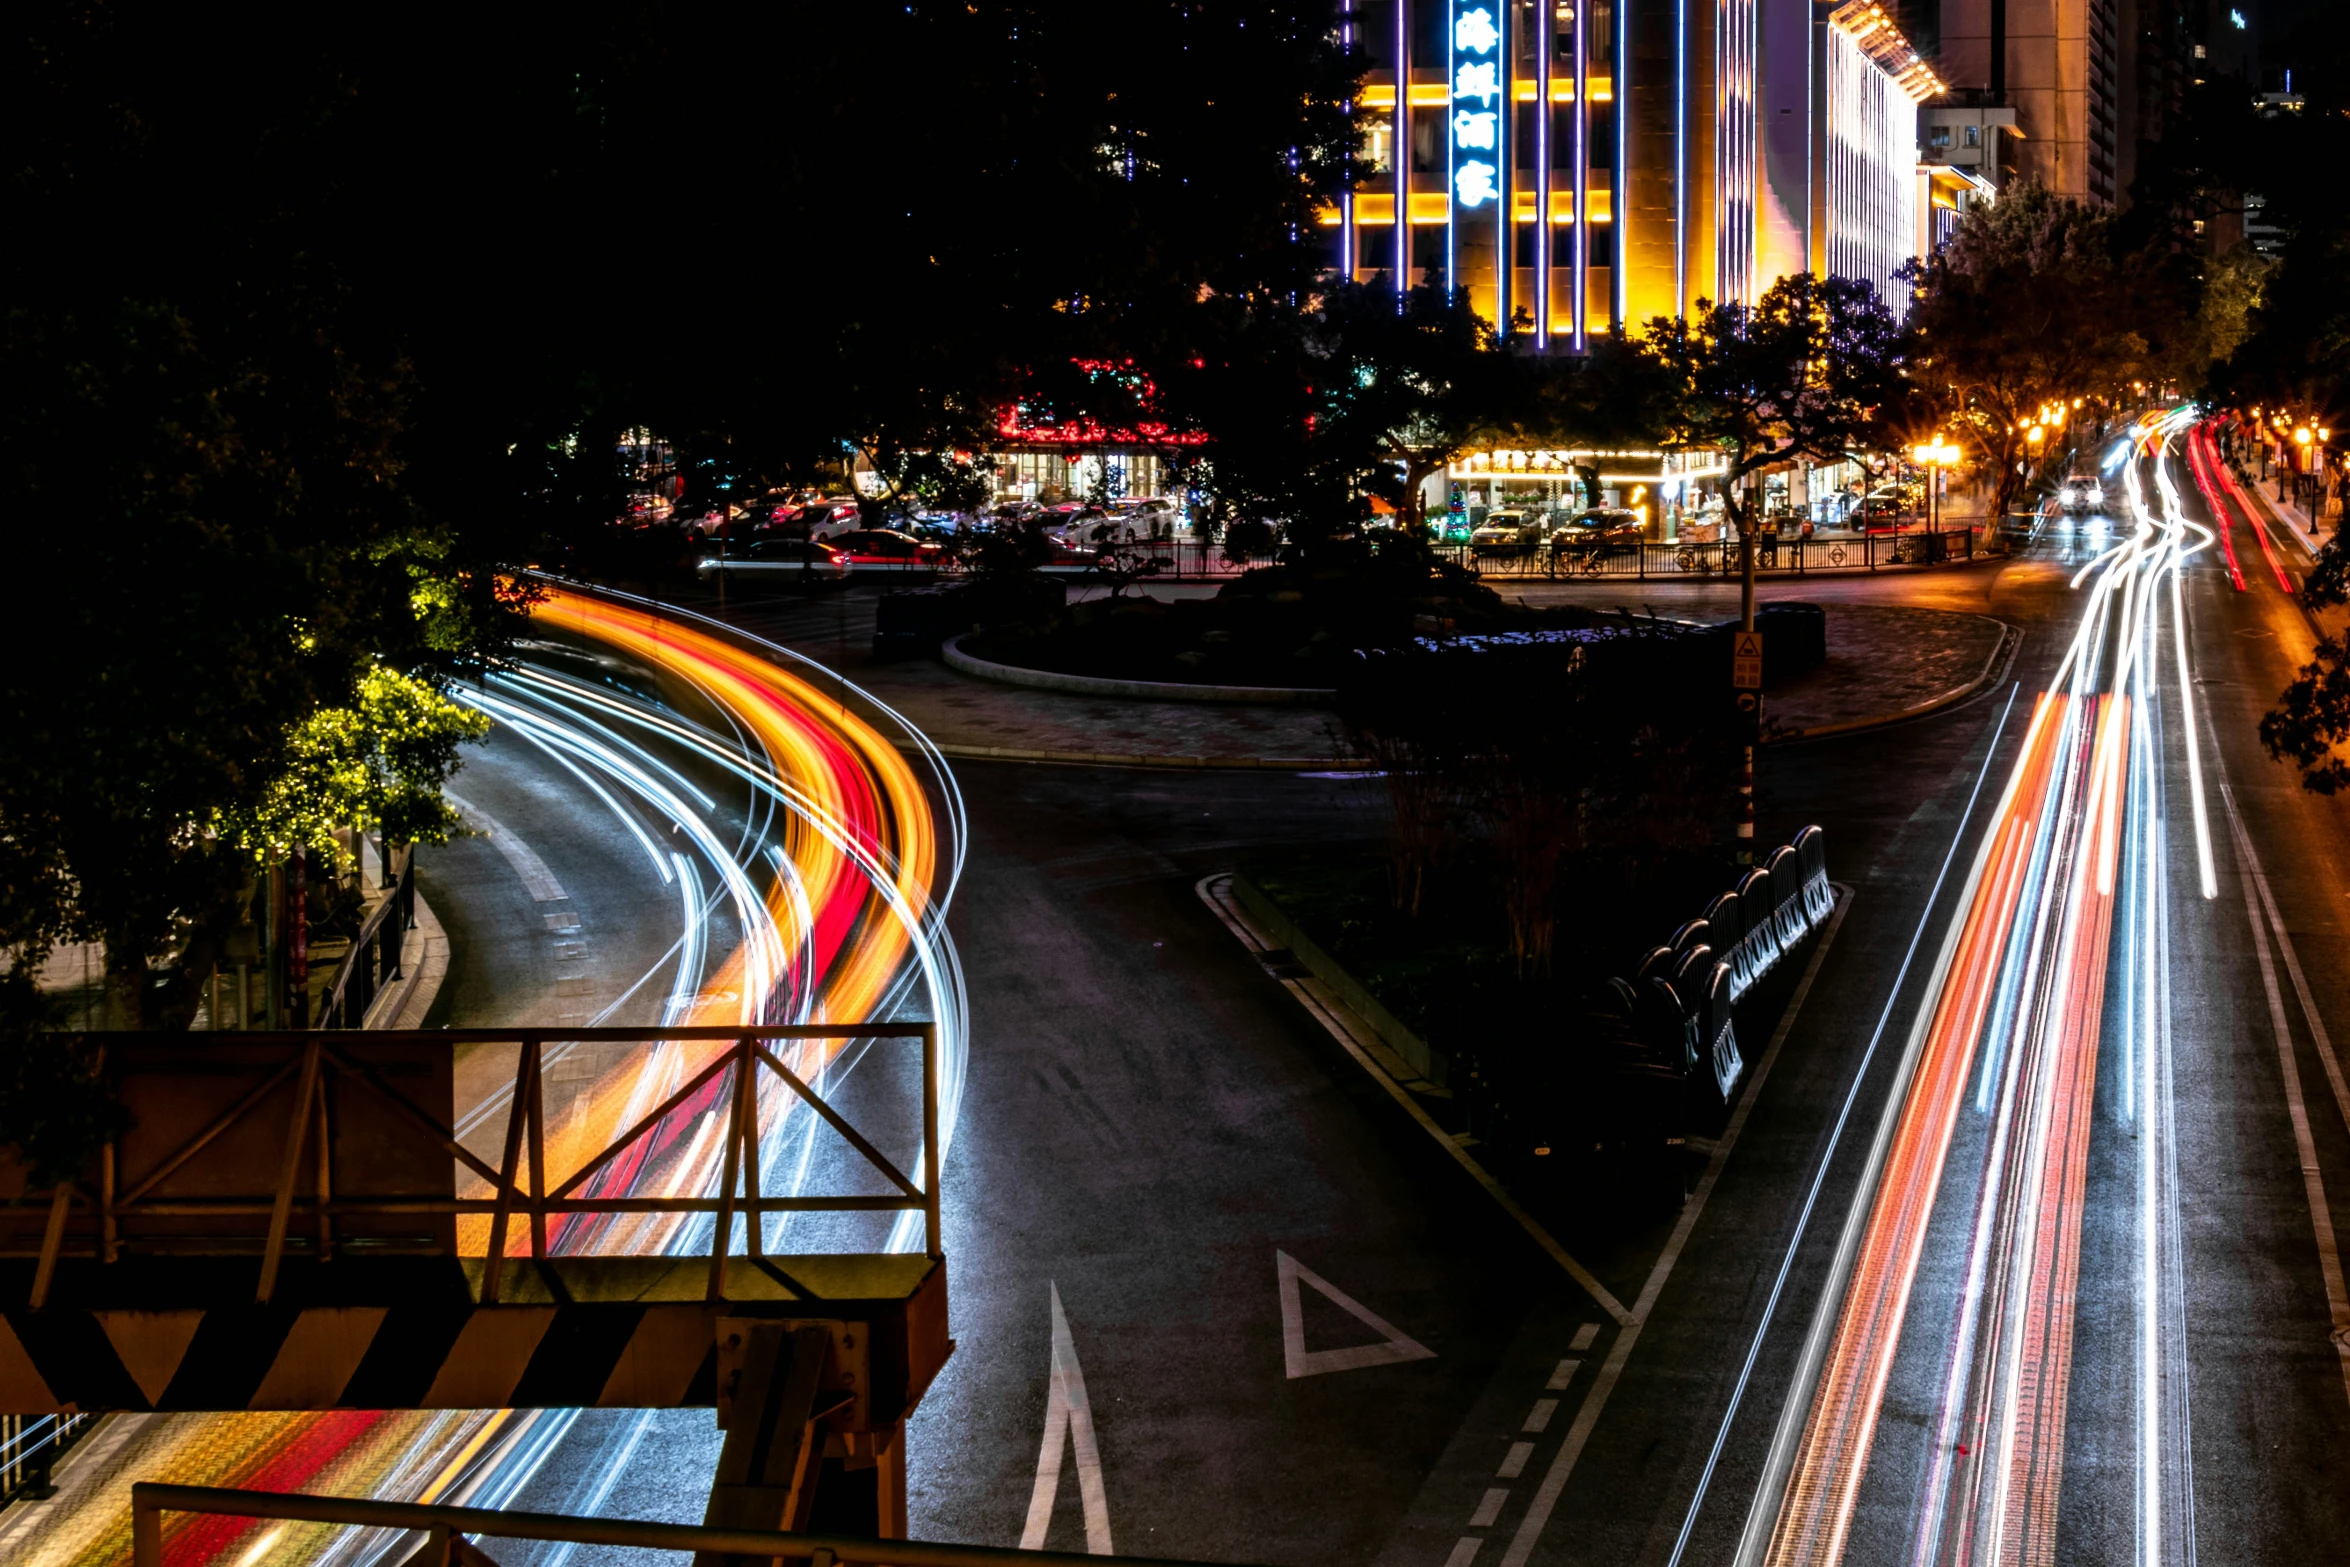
column 1304, row 1362
column 1067, row 1418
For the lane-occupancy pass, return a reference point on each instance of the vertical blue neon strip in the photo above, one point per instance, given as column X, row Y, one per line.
column 1401, row 154
column 1505, row 258
column 1681, row 157
column 1452, row 216
column 1619, row 210
column 1580, row 234
column 1347, row 254
column 1545, row 44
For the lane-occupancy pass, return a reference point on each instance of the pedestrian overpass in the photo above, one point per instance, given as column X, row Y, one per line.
column 308, row 1221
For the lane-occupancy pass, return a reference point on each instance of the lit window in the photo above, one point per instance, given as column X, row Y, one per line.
column 1939, row 136
column 1974, row 136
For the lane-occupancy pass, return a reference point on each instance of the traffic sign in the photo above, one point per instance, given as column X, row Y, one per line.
column 1746, row 661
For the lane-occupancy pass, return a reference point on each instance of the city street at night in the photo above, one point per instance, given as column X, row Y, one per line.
column 1421, row 783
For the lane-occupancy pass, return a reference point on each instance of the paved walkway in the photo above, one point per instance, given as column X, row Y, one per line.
column 1883, row 661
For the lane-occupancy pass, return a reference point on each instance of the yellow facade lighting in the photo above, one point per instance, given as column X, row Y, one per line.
column 2301, row 436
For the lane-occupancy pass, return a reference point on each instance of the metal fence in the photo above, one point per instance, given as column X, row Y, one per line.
column 444, row 1528
column 215, row 1157
column 30, row 1446
column 375, row 956
column 1695, row 561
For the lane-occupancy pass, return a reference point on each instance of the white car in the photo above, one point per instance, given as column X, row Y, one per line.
column 2081, row 494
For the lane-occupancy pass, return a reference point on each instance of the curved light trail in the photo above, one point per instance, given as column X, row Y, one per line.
column 2063, row 915
column 831, row 866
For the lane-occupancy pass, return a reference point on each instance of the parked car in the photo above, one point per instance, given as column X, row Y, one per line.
column 770, row 559
column 2080, row 494
column 879, row 549
column 824, row 520
column 1604, row 527
column 1886, row 505
column 1501, row 528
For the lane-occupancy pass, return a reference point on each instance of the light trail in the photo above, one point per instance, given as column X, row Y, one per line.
column 835, row 884
column 2032, row 953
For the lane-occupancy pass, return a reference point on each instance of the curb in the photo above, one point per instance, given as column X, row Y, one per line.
column 2002, row 654
column 1415, row 1064
column 404, row 1005
column 1269, row 764
column 1132, row 690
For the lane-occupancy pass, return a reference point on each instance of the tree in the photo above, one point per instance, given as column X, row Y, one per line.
column 1404, row 387
column 377, row 763
column 1799, row 374
column 207, row 460
column 2035, row 302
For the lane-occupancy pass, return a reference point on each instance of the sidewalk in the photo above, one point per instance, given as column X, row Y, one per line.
column 1884, row 663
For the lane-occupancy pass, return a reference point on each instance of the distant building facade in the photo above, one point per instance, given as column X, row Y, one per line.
column 1577, row 165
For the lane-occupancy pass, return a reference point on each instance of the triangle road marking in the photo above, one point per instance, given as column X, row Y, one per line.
column 1304, row 1362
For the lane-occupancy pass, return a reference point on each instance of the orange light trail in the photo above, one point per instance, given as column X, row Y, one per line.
column 848, row 920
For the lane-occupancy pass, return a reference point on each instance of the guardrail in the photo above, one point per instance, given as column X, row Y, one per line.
column 445, row 1527
column 375, row 956
column 216, row 1116
column 30, row 1446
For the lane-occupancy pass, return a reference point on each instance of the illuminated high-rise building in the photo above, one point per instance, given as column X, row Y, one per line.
column 1579, row 164
column 2058, row 65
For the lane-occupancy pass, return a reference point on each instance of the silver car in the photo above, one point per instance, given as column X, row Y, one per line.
column 777, row 560
column 2081, row 494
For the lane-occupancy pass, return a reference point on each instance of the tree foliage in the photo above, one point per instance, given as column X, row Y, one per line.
column 1801, row 373
column 378, row 764
column 2035, row 301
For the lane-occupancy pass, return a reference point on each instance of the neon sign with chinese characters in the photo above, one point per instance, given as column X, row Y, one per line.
column 1478, row 103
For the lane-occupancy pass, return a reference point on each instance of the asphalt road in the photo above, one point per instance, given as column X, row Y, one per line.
column 1152, row 1121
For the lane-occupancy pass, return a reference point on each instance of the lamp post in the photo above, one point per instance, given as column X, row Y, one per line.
column 1931, row 455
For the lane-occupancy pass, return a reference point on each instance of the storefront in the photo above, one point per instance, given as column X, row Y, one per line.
column 1052, row 475
column 1670, row 491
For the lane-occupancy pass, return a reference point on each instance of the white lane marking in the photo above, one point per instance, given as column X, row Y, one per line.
column 1584, row 1336
column 544, row 888
column 1513, row 1462
column 1780, row 1455
column 1464, row 1551
column 2321, row 1214
column 1068, row 1416
column 1538, row 1418
column 2317, row 1024
column 1587, row 1413
column 1303, row 1362
column 1216, row 893
column 1565, row 1372
column 1489, row 1508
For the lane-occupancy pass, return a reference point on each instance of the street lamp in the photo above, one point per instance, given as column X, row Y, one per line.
column 1930, row 455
